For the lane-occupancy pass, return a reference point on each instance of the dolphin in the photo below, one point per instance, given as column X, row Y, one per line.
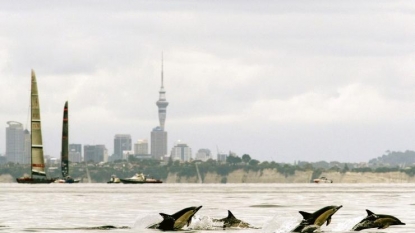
column 379, row 221
column 177, row 220
column 316, row 219
column 232, row 221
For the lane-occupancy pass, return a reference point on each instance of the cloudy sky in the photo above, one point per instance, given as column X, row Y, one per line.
column 279, row 80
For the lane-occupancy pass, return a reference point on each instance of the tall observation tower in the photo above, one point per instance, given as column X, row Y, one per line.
column 159, row 135
column 162, row 103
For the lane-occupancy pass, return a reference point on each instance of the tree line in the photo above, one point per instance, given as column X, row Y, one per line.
column 126, row 168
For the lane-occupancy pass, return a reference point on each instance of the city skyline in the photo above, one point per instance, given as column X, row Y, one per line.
column 281, row 81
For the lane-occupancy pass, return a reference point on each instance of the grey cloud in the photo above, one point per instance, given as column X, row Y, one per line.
column 223, row 62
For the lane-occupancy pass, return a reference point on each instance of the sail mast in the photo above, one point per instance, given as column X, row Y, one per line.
column 65, row 141
column 38, row 163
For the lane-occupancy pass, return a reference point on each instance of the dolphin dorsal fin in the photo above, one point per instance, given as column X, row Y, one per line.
column 305, row 214
column 369, row 212
column 165, row 215
column 230, row 215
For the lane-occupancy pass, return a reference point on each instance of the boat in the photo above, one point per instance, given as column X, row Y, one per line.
column 65, row 149
column 322, row 179
column 114, row 180
column 37, row 164
column 140, row 178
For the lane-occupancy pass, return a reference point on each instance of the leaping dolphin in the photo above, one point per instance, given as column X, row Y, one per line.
column 380, row 221
column 177, row 220
column 316, row 219
column 232, row 221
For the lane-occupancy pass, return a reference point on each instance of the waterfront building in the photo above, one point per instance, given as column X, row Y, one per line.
column 203, row 154
column 158, row 134
column 181, row 151
column 74, row 149
column 126, row 154
column 141, row 147
column 3, row 159
column 27, row 157
column 222, row 157
column 75, row 156
column 95, row 153
column 122, row 142
column 158, row 143
column 15, row 143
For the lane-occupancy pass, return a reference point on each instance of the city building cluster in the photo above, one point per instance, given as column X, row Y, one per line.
column 18, row 149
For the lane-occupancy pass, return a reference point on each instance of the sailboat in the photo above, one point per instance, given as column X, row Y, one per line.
column 38, row 174
column 65, row 149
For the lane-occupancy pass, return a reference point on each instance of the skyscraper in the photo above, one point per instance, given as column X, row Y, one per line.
column 158, row 143
column 95, row 153
column 76, row 148
column 182, row 152
column 141, row 147
column 27, row 157
column 15, row 143
column 75, row 153
column 158, row 135
column 203, row 154
column 122, row 142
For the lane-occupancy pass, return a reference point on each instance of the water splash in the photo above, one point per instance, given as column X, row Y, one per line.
column 346, row 225
column 281, row 224
column 204, row 223
column 142, row 222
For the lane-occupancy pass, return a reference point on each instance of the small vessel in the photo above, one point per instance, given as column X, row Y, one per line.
column 65, row 150
column 37, row 164
column 114, row 180
column 322, row 179
column 140, row 178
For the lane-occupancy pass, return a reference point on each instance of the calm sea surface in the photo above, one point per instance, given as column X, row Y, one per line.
column 270, row 207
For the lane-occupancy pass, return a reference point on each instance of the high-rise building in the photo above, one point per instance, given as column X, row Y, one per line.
column 141, row 147
column 95, row 153
column 75, row 156
column 77, row 148
column 3, row 159
column 122, row 142
column 27, row 147
column 158, row 143
column 15, row 143
column 181, row 151
column 159, row 135
column 203, row 154
column 222, row 157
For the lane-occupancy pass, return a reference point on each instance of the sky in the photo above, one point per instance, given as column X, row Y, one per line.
column 281, row 81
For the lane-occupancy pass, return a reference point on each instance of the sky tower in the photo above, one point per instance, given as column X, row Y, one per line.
column 162, row 103
column 159, row 135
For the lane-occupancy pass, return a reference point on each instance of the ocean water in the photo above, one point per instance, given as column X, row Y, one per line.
column 131, row 208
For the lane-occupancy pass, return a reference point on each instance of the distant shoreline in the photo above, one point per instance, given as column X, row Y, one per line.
column 273, row 176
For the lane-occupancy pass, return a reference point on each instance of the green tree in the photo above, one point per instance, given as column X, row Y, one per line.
column 246, row 158
column 345, row 169
column 233, row 160
column 253, row 162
